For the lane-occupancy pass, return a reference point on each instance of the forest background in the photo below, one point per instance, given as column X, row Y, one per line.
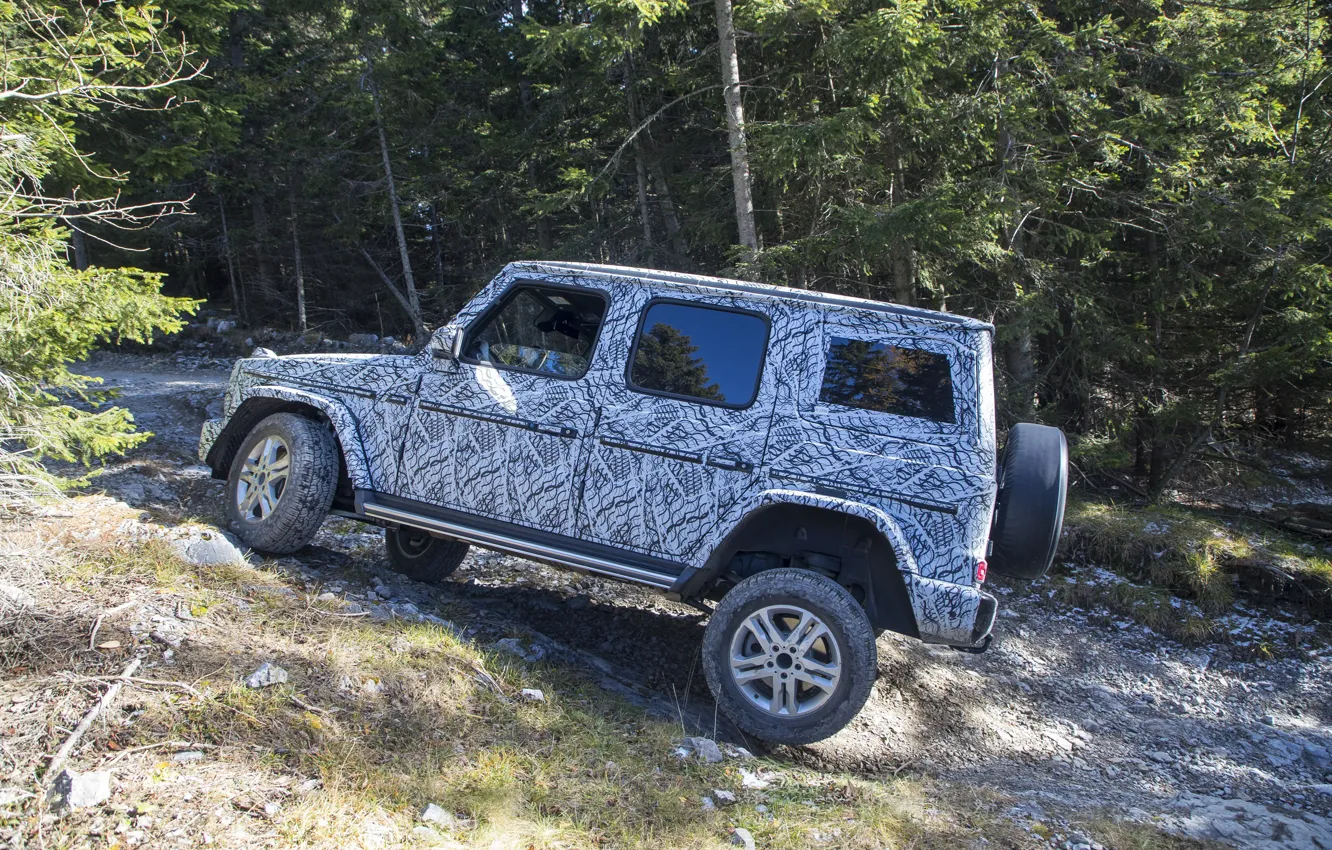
column 1135, row 192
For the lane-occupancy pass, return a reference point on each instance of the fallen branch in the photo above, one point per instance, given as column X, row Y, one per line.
column 53, row 769
column 300, row 703
column 110, row 612
column 181, row 745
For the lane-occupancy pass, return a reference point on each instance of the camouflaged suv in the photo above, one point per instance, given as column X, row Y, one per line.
column 813, row 469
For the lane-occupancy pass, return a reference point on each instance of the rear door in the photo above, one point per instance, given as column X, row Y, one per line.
column 683, row 421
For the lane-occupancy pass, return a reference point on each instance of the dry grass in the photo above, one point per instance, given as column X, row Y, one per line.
column 1198, row 557
column 377, row 720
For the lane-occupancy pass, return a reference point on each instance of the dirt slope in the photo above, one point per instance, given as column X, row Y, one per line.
column 1071, row 711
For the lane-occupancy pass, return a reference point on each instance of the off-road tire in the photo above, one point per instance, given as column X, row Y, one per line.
column 311, row 482
column 1029, row 510
column 430, row 560
column 830, row 603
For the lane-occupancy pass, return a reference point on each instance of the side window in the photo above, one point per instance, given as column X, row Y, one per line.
column 540, row 329
column 889, row 379
column 706, row 354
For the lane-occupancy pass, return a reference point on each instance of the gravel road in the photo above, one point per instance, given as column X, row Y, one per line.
column 1070, row 711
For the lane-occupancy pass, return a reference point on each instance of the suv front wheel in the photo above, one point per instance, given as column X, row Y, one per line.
column 790, row 656
column 281, row 483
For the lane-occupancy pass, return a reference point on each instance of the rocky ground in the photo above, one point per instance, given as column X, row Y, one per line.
column 1070, row 712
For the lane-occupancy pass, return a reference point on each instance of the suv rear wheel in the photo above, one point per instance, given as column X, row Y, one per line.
column 422, row 556
column 281, row 483
column 790, row 656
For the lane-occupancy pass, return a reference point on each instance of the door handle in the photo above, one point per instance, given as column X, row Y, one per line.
column 730, row 464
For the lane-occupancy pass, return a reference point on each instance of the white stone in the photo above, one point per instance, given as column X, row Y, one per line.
column 211, row 549
column 267, row 674
column 533, row 695
column 80, row 790
column 14, row 597
column 704, row 749
column 742, row 838
column 436, row 814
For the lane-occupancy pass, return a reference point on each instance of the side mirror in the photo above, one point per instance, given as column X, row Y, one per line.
column 446, row 344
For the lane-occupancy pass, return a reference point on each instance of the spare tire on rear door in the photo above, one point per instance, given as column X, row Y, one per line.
column 1029, row 513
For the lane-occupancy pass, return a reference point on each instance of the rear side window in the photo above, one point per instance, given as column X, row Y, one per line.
column 540, row 329
column 889, row 379
column 705, row 354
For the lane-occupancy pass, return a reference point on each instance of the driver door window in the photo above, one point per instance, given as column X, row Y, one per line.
column 541, row 330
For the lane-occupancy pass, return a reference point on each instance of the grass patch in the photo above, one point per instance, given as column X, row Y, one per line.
column 1198, row 557
column 378, row 719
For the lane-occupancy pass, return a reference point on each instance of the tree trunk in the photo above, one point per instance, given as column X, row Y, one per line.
column 259, row 217
column 436, row 232
column 640, row 167
column 735, row 122
column 300, row 270
column 667, row 206
column 78, row 243
column 545, row 240
column 413, row 298
column 236, row 304
column 902, row 252
column 397, row 293
column 1018, row 360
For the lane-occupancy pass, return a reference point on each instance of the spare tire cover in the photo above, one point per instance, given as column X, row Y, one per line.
column 1029, row 512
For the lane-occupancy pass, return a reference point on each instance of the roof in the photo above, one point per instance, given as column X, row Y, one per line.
column 760, row 289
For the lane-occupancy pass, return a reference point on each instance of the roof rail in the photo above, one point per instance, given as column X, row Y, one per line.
column 751, row 288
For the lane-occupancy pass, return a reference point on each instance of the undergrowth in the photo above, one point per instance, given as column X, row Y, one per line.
column 1203, row 559
column 377, row 720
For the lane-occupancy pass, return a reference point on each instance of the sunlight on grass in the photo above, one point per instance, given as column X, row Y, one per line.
column 1197, row 556
column 379, row 719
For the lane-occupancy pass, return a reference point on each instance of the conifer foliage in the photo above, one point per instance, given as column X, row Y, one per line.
column 1135, row 192
column 63, row 65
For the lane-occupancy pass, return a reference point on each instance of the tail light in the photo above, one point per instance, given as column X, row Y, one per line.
column 982, row 569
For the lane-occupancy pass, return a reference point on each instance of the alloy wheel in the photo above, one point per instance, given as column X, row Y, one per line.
column 263, row 479
column 785, row 660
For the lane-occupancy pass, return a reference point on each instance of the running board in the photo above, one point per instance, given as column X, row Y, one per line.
column 525, row 548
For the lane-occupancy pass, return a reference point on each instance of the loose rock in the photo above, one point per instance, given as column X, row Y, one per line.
column 209, row 549
column 436, row 814
column 741, row 838
column 267, row 674
column 14, row 597
column 79, row 790
column 704, row 749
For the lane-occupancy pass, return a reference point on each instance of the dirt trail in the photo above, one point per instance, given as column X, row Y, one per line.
column 1070, row 711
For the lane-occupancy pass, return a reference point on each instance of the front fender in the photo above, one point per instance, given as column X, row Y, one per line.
column 251, row 408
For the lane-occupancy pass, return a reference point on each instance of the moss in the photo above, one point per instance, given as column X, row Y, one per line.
column 1193, row 554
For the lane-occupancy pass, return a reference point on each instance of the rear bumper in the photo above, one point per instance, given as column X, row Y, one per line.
column 954, row 614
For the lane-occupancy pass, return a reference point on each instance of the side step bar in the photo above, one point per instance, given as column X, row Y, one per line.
column 525, row 548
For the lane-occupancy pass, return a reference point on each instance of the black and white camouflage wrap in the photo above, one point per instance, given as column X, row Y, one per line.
column 593, row 459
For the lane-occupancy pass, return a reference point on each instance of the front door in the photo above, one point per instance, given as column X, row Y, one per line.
column 682, row 426
column 500, row 434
